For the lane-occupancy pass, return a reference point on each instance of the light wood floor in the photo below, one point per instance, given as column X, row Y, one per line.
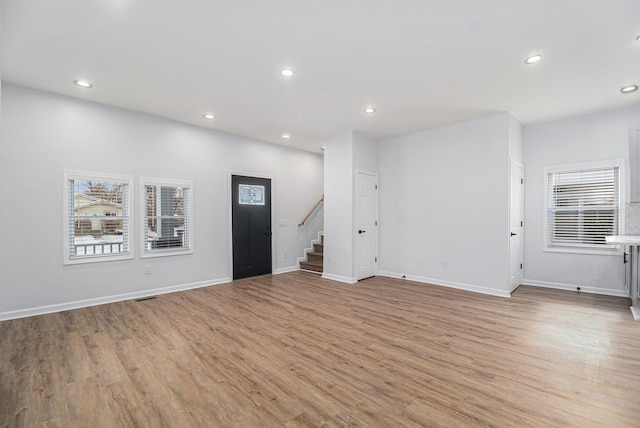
column 296, row 350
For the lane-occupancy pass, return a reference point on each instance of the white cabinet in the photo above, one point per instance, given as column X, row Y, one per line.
column 632, row 274
column 634, row 284
column 634, row 160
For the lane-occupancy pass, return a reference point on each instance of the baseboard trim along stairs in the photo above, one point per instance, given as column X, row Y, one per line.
column 313, row 260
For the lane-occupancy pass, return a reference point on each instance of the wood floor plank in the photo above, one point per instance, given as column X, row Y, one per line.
column 295, row 350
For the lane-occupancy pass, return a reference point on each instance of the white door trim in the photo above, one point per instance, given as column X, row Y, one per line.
column 512, row 285
column 360, row 272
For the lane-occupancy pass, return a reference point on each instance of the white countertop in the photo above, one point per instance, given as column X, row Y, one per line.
column 623, row 239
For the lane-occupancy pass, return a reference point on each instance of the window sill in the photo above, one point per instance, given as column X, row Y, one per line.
column 97, row 259
column 165, row 253
column 610, row 251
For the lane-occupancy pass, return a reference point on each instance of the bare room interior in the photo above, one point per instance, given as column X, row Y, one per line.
column 338, row 213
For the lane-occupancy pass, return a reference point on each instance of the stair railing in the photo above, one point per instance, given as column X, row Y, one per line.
column 315, row 207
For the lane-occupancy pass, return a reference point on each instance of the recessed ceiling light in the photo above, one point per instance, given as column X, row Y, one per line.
column 370, row 110
column 628, row 89
column 533, row 59
column 286, row 72
column 286, row 136
column 208, row 116
column 322, row 147
column 83, row 83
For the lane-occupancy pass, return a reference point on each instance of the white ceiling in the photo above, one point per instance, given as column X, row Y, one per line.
column 421, row 63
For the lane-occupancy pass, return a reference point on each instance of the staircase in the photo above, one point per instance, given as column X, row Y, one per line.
column 313, row 262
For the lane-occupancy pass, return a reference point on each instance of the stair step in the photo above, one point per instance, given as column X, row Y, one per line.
column 314, row 257
column 314, row 267
column 314, row 262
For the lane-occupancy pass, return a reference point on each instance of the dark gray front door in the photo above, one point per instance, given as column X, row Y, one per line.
column 251, row 226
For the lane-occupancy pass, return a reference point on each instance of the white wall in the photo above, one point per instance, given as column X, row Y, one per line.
column 338, row 208
column 516, row 144
column 43, row 134
column 344, row 155
column 444, row 205
column 365, row 154
column 599, row 136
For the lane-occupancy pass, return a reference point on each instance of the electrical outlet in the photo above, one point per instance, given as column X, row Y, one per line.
column 284, row 255
column 147, row 269
column 328, row 259
column 445, row 263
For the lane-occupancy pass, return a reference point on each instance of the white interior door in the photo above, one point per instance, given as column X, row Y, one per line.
column 515, row 225
column 366, row 225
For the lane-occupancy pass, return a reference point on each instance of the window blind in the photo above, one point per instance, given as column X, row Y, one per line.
column 583, row 206
column 167, row 220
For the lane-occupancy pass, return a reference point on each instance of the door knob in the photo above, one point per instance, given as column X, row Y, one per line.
column 513, row 234
column 361, row 231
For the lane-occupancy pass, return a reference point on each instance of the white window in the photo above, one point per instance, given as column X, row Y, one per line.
column 167, row 227
column 97, row 224
column 584, row 204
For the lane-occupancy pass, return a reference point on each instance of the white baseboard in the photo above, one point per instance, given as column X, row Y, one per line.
column 573, row 287
column 390, row 274
column 59, row 307
column 286, row 269
column 449, row 284
column 339, row 278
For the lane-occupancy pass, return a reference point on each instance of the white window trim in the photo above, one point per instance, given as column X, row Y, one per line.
column 142, row 196
column 611, row 250
column 83, row 175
